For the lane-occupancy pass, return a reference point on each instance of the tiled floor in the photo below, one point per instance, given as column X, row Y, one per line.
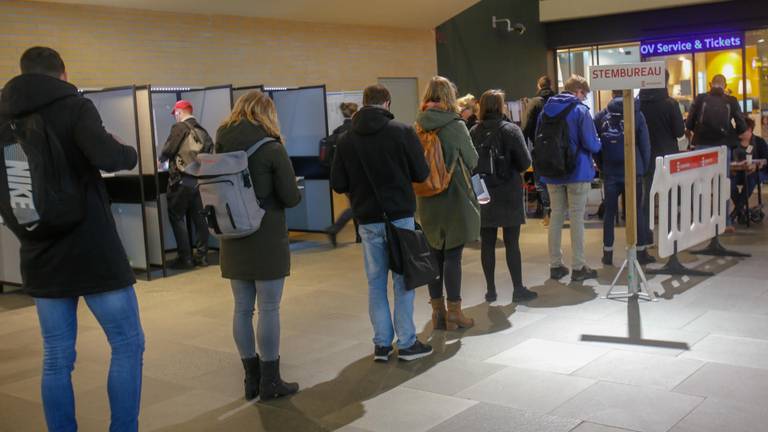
column 696, row 360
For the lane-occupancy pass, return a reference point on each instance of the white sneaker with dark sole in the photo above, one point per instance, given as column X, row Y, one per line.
column 415, row 351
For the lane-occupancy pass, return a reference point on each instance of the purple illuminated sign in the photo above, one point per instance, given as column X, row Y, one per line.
column 689, row 44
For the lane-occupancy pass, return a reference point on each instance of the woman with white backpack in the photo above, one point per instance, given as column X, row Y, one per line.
column 258, row 264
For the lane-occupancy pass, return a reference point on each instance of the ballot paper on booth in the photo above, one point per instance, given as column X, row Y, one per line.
column 628, row 76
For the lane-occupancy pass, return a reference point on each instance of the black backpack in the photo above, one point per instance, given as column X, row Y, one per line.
column 39, row 196
column 552, row 155
column 328, row 150
column 492, row 162
column 714, row 122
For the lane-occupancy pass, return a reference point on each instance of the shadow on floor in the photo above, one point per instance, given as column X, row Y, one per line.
column 15, row 300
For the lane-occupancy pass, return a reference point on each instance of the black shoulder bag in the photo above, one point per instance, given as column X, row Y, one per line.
column 409, row 251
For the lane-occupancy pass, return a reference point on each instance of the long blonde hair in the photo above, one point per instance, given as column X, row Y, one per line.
column 440, row 92
column 257, row 108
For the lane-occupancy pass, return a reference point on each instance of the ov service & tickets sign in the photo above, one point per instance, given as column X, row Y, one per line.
column 627, row 76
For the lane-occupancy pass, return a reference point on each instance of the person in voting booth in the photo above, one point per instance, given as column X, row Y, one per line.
column 186, row 140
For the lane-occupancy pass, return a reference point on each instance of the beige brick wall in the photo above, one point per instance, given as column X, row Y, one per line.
column 109, row 47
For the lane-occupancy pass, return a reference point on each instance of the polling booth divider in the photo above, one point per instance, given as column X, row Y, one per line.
column 125, row 114
column 240, row 91
column 692, row 189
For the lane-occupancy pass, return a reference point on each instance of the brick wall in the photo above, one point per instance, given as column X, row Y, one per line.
column 109, row 47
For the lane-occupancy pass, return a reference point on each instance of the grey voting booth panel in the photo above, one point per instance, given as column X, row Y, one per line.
column 405, row 97
column 211, row 105
column 314, row 211
column 117, row 108
column 237, row 92
column 333, row 103
column 303, row 120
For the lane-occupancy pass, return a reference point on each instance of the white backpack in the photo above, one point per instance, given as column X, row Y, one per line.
column 226, row 189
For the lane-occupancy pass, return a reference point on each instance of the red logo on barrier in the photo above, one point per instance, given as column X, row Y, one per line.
column 693, row 162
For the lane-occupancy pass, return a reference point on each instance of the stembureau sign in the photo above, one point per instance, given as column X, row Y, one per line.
column 627, row 76
column 691, row 44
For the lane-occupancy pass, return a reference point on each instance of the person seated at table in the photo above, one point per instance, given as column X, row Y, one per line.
column 756, row 146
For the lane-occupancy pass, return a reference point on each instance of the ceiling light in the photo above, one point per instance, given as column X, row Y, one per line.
column 761, row 41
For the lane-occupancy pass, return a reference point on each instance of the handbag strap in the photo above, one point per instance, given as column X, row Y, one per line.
column 370, row 180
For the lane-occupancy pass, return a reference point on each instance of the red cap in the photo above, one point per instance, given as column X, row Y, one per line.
column 182, row 105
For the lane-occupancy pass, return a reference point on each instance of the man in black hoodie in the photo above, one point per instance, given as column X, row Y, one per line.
column 89, row 261
column 376, row 162
column 535, row 106
column 665, row 125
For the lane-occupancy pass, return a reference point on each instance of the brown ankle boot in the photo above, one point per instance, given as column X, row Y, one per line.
column 438, row 313
column 455, row 318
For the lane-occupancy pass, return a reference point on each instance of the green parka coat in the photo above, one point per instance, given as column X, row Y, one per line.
column 452, row 218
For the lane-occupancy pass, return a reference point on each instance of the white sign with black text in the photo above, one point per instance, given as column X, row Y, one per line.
column 627, row 76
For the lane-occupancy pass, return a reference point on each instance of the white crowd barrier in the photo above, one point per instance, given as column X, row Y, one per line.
column 693, row 188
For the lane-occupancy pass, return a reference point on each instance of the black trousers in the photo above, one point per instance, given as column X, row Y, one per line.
column 488, row 255
column 185, row 205
column 449, row 263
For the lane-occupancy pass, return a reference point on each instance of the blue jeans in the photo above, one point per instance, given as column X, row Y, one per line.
column 376, row 257
column 269, row 294
column 118, row 314
column 614, row 188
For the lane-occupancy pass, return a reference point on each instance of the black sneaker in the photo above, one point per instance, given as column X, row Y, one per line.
column 559, row 272
column 583, row 274
column 382, row 353
column 490, row 296
column 608, row 258
column 523, row 294
column 201, row 260
column 182, row 264
column 332, row 238
column 415, row 351
column 643, row 257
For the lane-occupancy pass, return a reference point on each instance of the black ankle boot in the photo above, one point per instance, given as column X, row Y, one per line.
column 252, row 377
column 644, row 258
column 272, row 386
column 608, row 258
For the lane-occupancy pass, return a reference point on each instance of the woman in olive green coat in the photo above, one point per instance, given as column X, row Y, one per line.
column 450, row 219
column 257, row 265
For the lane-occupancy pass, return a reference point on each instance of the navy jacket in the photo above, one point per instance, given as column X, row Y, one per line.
column 583, row 136
column 611, row 157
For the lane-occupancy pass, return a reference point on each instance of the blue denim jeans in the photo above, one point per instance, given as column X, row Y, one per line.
column 376, row 258
column 118, row 314
column 268, row 295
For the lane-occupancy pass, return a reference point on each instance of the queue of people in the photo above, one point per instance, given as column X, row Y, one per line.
column 377, row 160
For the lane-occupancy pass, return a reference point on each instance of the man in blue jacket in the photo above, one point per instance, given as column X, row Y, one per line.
column 610, row 126
column 571, row 192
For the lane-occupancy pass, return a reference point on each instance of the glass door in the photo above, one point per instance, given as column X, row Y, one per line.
column 612, row 55
column 575, row 61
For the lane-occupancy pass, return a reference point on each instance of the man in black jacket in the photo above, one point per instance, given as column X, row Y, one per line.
column 535, row 106
column 715, row 118
column 183, row 199
column 665, row 125
column 376, row 162
column 89, row 261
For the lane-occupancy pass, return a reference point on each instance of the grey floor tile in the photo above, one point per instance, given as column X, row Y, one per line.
column 526, row 389
column 496, row 418
column 182, row 409
column 731, row 350
column 732, row 324
column 452, row 376
column 403, row 409
column 594, row 427
column 548, row 356
column 717, row 415
column 640, row 369
column 631, row 407
column 726, row 382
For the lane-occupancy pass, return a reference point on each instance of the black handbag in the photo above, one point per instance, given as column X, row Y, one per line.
column 409, row 251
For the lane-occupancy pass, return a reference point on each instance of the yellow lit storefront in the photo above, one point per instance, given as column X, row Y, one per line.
column 692, row 61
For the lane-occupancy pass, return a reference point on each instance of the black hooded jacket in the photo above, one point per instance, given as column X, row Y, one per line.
column 664, row 120
column 394, row 157
column 90, row 259
column 535, row 106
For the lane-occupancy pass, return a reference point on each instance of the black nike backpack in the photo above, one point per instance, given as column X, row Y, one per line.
column 39, row 196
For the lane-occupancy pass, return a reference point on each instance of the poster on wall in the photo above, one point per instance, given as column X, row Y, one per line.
column 334, row 100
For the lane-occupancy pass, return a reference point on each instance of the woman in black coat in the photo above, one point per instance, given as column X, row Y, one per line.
column 506, row 209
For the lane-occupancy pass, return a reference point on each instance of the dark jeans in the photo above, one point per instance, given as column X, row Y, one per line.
column 541, row 189
column 645, row 208
column 614, row 188
column 449, row 263
column 488, row 255
column 185, row 205
column 342, row 221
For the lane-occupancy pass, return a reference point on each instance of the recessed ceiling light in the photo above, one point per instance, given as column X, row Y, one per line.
column 761, row 41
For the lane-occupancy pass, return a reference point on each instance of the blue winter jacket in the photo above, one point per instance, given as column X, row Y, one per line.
column 582, row 134
column 611, row 157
